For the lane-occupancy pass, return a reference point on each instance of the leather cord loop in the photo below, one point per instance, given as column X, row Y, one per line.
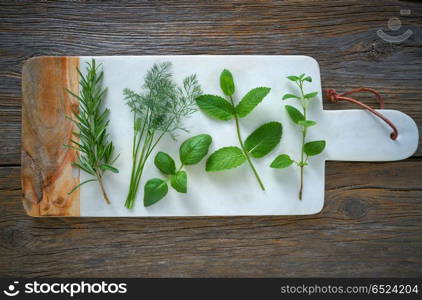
column 334, row 97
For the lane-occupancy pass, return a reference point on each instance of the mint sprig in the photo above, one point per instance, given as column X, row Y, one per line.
column 261, row 142
column 191, row 152
column 300, row 118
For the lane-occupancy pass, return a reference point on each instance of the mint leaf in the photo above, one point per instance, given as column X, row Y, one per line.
column 226, row 82
column 306, row 123
column 310, row 95
column 264, row 139
column 281, row 161
column 293, row 78
column 155, row 189
column 314, row 148
column 251, row 100
column 294, row 114
column 194, row 149
column 289, row 96
column 165, row 163
column 179, row 181
column 215, row 106
column 224, row 159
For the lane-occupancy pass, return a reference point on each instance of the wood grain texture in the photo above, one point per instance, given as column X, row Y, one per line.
column 371, row 224
column 46, row 172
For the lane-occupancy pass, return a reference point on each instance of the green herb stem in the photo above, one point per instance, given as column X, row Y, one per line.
column 304, row 131
column 158, row 110
column 302, row 165
column 100, row 181
column 239, row 137
column 299, row 117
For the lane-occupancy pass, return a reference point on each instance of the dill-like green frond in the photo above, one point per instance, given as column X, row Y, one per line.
column 158, row 109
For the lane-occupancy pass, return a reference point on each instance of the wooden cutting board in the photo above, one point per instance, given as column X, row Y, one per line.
column 48, row 176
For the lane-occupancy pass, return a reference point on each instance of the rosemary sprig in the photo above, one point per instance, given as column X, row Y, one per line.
column 158, row 110
column 95, row 150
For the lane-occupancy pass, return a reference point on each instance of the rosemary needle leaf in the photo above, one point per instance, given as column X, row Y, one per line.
column 95, row 150
column 79, row 185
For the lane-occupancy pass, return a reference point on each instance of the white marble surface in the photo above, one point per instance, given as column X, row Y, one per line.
column 353, row 135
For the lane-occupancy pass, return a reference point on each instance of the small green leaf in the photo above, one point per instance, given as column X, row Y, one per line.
column 165, row 163
column 106, row 167
column 310, row 95
column 264, row 139
column 224, row 159
column 215, row 106
column 155, row 189
column 179, row 181
column 294, row 114
column 293, row 78
column 314, row 148
column 301, row 76
column 281, row 161
column 306, row 123
column 308, row 79
column 226, row 82
column 194, row 149
column 288, row 96
column 79, row 185
column 251, row 100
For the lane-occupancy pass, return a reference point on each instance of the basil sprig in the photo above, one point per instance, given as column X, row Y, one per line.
column 191, row 152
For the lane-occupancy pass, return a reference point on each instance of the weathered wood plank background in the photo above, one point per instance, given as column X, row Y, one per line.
column 371, row 224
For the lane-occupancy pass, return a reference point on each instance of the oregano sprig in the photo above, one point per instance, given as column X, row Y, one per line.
column 191, row 152
column 262, row 141
column 300, row 118
column 158, row 110
column 94, row 147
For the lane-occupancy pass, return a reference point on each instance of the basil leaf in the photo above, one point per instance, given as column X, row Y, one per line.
column 314, row 148
column 226, row 82
column 288, row 96
column 306, row 123
column 155, row 189
column 264, row 139
column 165, row 163
column 310, row 95
column 194, row 149
column 294, row 114
column 179, row 181
column 281, row 161
column 215, row 106
column 225, row 158
column 293, row 78
column 251, row 100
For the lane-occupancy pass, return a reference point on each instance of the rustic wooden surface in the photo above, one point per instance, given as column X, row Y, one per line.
column 371, row 224
column 46, row 165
